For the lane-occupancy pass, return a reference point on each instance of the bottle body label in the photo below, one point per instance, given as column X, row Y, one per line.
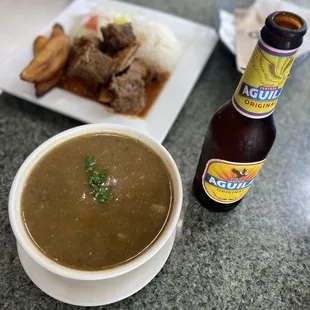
column 227, row 182
column 261, row 85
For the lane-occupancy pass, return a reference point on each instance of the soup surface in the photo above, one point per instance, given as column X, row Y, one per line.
column 71, row 227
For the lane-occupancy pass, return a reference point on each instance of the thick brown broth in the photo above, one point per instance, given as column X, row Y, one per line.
column 152, row 90
column 78, row 87
column 70, row 227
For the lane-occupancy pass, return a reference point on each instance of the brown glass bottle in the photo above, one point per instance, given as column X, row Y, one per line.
column 236, row 133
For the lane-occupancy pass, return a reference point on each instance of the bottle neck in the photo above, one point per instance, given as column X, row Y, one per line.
column 263, row 80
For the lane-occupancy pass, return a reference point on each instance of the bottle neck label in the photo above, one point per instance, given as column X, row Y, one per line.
column 262, row 82
column 227, row 182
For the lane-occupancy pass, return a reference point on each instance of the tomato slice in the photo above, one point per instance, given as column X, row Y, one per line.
column 92, row 23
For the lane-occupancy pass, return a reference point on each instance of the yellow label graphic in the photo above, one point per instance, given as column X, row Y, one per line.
column 228, row 182
column 261, row 85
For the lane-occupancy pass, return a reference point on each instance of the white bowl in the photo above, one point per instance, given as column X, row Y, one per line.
column 97, row 292
column 27, row 244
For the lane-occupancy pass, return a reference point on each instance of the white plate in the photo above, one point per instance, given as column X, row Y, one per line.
column 198, row 42
column 95, row 293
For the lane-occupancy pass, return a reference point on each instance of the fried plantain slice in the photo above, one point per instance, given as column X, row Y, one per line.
column 39, row 44
column 57, row 31
column 43, row 87
column 49, row 60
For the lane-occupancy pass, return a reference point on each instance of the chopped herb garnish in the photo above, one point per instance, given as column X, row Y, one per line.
column 99, row 182
column 90, row 163
column 103, row 195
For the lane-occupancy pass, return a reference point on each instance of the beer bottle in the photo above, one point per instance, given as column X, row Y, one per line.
column 242, row 132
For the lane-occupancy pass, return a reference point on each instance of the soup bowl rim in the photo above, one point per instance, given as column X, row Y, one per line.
column 23, row 237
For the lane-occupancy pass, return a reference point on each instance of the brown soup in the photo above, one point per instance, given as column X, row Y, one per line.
column 70, row 226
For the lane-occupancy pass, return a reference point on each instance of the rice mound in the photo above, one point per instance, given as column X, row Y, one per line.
column 159, row 48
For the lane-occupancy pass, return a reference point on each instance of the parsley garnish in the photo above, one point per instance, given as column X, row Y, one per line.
column 90, row 163
column 99, row 181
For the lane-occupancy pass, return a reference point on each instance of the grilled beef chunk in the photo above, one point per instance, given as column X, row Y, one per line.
column 147, row 74
column 125, row 57
column 139, row 67
column 90, row 64
column 129, row 93
column 117, row 37
column 89, row 39
column 95, row 67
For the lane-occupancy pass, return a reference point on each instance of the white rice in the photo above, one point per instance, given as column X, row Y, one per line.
column 160, row 49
